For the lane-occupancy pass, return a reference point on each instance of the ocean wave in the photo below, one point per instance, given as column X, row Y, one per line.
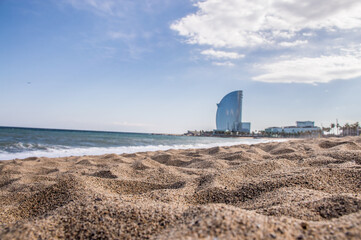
column 18, row 147
column 62, row 151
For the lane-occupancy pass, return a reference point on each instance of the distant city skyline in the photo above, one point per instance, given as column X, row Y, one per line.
column 162, row 66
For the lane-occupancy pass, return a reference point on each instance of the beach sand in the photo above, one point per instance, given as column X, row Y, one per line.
column 299, row 189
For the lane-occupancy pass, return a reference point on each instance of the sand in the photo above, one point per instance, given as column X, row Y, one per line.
column 301, row 189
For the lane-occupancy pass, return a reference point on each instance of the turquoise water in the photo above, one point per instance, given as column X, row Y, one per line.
column 28, row 142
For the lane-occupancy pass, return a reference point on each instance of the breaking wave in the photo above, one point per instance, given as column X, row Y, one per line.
column 24, row 150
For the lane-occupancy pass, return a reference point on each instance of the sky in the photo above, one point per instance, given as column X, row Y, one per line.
column 163, row 65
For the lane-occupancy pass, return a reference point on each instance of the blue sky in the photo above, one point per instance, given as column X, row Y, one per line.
column 162, row 65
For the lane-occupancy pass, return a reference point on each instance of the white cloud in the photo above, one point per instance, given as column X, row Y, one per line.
column 221, row 54
column 321, row 69
column 242, row 23
column 227, row 64
column 308, row 34
column 293, row 44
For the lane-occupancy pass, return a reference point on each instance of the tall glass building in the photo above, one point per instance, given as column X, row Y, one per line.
column 229, row 113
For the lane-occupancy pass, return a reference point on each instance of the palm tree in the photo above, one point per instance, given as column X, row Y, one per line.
column 354, row 128
column 346, row 130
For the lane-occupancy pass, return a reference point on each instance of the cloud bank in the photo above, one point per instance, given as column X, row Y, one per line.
column 242, row 23
column 311, row 70
column 239, row 25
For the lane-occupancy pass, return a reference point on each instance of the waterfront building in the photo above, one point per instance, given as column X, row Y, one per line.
column 305, row 124
column 301, row 127
column 229, row 114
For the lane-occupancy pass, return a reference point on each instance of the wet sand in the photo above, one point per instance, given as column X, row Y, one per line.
column 302, row 189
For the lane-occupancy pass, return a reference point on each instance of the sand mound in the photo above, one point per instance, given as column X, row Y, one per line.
column 45, row 200
column 104, row 174
column 136, row 187
column 240, row 155
column 45, row 171
column 139, row 165
column 336, row 207
column 169, row 160
column 282, row 150
column 6, row 179
column 345, row 145
column 30, row 159
column 214, row 150
column 110, row 156
column 85, row 162
column 304, row 189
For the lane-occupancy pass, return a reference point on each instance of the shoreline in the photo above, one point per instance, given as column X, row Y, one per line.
column 304, row 189
column 98, row 151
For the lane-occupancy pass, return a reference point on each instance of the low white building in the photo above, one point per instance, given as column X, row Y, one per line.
column 273, row 130
column 301, row 127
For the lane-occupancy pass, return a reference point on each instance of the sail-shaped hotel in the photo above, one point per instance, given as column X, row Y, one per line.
column 229, row 114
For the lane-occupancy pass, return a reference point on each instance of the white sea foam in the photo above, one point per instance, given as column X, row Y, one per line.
column 56, row 151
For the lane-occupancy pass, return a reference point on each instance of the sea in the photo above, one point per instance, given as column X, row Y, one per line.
column 21, row 143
